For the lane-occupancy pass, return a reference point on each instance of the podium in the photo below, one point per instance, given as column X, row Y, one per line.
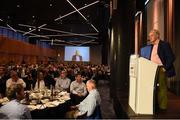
column 142, row 74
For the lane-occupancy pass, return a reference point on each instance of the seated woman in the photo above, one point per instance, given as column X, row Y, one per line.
column 14, row 109
column 40, row 84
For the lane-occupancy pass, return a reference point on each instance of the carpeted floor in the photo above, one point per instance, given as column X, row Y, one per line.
column 106, row 103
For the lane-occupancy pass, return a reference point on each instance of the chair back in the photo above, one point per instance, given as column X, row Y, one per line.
column 96, row 114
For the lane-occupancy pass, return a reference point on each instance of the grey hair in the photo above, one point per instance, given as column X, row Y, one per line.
column 156, row 32
column 92, row 82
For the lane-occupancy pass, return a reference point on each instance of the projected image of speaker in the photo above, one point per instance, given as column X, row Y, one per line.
column 78, row 54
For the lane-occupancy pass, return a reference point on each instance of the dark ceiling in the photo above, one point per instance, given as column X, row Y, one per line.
column 41, row 19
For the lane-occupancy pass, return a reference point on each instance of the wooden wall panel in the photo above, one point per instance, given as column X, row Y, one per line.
column 17, row 51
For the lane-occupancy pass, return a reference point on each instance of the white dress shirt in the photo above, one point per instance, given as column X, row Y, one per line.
column 77, row 58
column 41, row 85
column 10, row 82
column 62, row 84
column 15, row 110
column 76, row 88
column 89, row 103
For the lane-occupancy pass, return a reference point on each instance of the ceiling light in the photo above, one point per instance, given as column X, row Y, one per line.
column 146, row 2
column 18, row 6
column 50, row 5
column 52, row 42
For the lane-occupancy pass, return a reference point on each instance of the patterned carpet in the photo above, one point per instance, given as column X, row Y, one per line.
column 106, row 103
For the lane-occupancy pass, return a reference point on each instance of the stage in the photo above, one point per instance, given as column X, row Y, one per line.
column 123, row 110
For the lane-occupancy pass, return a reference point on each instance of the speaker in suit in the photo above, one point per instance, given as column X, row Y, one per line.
column 161, row 53
column 77, row 56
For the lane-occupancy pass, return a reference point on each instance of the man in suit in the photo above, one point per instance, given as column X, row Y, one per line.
column 161, row 54
column 77, row 56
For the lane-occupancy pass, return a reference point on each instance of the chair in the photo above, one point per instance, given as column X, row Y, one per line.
column 96, row 114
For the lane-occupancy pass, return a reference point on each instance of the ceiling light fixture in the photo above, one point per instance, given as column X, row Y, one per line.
column 34, row 29
column 86, row 42
column 146, row 2
column 60, row 31
column 11, row 28
column 76, row 11
column 82, row 15
column 52, row 42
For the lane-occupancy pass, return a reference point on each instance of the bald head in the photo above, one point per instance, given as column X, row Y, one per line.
column 91, row 84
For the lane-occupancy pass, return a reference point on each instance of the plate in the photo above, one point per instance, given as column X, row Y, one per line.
column 45, row 100
column 61, row 101
column 66, row 98
column 50, row 104
column 40, row 106
column 32, row 107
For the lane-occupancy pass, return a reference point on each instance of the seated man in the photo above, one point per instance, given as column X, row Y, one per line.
column 78, row 89
column 62, row 82
column 3, row 78
column 89, row 105
column 14, row 80
column 14, row 109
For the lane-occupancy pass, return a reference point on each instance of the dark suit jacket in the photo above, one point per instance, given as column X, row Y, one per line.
column 74, row 57
column 165, row 54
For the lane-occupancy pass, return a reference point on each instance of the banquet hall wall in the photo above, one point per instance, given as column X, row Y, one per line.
column 15, row 51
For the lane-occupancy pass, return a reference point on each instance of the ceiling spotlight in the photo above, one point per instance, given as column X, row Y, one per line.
column 33, row 16
column 50, row 5
column 30, row 28
column 52, row 41
column 18, row 6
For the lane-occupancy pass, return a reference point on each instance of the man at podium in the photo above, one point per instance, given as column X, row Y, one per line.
column 77, row 56
column 160, row 53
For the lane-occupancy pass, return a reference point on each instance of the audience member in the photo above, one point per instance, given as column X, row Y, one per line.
column 78, row 89
column 89, row 105
column 14, row 109
column 40, row 84
column 62, row 82
column 14, row 80
column 3, row 79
